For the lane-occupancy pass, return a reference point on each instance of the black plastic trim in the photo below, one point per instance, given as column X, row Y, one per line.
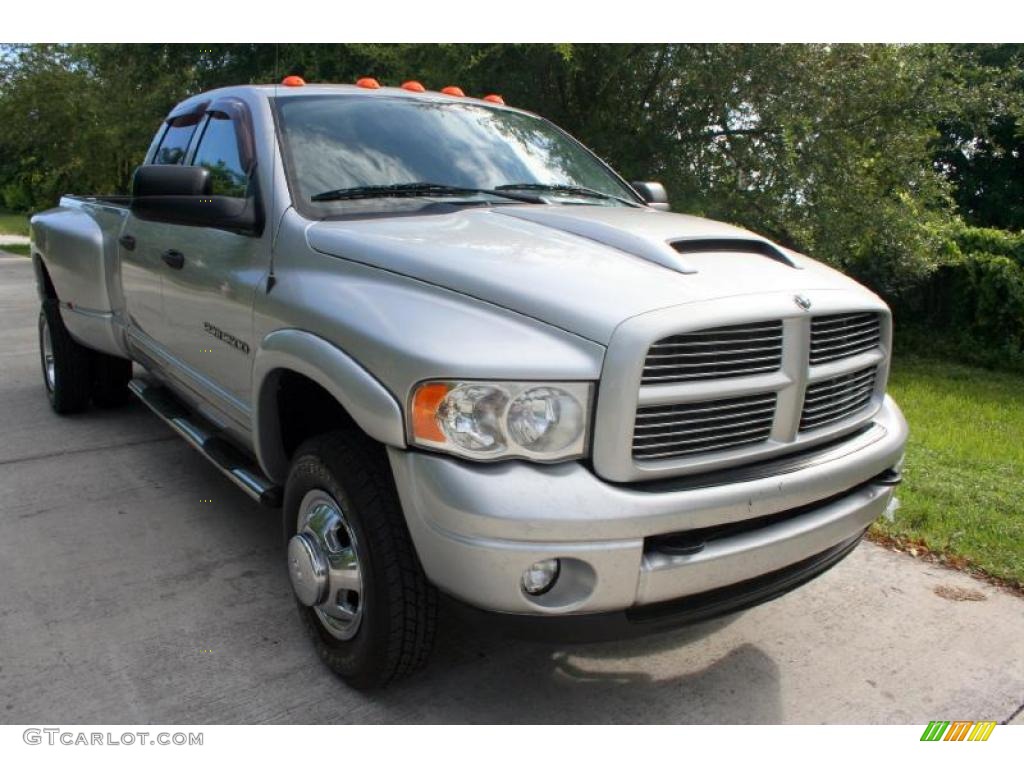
column 658, row 617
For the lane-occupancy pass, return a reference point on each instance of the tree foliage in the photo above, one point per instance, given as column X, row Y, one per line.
column 862, row 155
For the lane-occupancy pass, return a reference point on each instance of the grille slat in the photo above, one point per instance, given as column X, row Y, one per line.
column 678, row 430
column 641, row 427
column 721, row 353
column 637, row 438
column 831, row 403
column 832, row 417
column 709, row 375
column 852, row 331
column 710, row 353
column 704, row 405
column 696, row 441
column 717, row 343
column 769, row 358
column 824, row 392
column 703, row 449
column 837, row 398
column 835, row 337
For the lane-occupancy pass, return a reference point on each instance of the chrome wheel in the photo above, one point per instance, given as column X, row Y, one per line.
column 324, row 564
column 46, row 353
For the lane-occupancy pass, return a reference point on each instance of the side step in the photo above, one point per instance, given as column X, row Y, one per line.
column 203, row 436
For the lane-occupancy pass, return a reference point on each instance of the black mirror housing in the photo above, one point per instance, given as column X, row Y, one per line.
column 180, row 194
column 159, row 180
column 653, row 193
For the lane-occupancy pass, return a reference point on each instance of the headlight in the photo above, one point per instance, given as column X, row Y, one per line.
column 543, row 421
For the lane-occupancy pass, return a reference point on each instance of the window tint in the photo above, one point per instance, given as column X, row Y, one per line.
column 218, row 151
column 175, row 141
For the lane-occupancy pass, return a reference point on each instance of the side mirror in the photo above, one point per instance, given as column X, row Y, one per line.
column 180, row 194
column 653, row 193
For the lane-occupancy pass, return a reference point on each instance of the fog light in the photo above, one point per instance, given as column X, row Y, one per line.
column 541, row 577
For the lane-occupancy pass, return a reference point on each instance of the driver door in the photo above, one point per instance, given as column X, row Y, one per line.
column 211, row 276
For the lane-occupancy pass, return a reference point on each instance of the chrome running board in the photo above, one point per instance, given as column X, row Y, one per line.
column 204, row 437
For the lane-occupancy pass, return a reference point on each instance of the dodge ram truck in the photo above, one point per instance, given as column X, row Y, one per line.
column 473, row 366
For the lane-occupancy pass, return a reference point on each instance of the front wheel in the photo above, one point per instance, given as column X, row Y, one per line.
column 360, row 588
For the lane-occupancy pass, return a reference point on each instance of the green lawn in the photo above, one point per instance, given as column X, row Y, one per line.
column 16, row 249
column 13, row 223
column 963, row 494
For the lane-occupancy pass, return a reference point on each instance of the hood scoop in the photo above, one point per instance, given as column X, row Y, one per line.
column 734, row 245
column 620, row 238
column 644, row 234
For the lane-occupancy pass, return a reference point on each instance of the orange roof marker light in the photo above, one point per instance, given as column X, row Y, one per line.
column 293, row 81
column 452, row 90
column 367, row 82
column 494, row 98
column 413, row 85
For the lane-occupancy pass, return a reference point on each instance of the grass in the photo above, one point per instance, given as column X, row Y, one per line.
column 13, row 223
column 963, row 493
column 16, row 249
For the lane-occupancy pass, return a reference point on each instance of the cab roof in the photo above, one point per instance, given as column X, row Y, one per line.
column 278, row 91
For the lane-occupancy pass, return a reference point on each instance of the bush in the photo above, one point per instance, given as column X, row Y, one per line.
column 974, row 300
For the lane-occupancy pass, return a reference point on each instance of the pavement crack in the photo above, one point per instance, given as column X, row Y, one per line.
column 73, row 451
column 1011, row 718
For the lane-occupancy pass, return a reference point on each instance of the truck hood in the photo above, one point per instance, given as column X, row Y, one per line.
column 584, row 269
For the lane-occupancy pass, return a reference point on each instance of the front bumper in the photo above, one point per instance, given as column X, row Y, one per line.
column 477, row 527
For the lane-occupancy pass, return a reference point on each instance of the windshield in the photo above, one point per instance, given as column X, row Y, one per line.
column 342, row 143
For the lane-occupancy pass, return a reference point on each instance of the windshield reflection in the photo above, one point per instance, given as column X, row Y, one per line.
column 338, row 141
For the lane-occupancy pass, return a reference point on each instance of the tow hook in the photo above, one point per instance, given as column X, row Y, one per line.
column 891, row 477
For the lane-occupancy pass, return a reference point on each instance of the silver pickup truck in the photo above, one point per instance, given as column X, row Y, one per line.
column 471, row 364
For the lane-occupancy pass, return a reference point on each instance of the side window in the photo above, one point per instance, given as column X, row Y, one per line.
column 175, row 141
column 218, row 151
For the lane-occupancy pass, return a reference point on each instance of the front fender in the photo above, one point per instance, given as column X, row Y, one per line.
column 372, row 407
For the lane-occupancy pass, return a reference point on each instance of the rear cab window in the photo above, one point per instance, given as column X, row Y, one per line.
column 174, row 143
column 218, row 151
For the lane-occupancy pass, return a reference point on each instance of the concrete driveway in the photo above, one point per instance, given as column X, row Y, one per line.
column 126, row 598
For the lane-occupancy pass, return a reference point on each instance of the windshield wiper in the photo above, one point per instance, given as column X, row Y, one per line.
column 566, row 189
column 415, row 189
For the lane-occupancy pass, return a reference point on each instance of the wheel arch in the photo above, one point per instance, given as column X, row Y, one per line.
column 312, row 365
column 44, row 283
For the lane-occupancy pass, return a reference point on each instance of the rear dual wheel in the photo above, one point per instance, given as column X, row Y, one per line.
column 73, row 374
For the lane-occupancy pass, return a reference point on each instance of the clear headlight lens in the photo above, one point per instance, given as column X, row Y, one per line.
column 545, row 419
column 470, row 416
column 489, row 420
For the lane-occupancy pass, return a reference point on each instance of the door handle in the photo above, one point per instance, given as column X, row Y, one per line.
column 173, row 259
column 127, row 242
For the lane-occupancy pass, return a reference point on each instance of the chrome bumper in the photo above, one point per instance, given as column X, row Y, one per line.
column 477, row 527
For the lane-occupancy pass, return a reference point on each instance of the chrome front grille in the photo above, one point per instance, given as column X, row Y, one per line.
column 665, row 431
column 710, row 396
column 836, row 337
column 836, row 398
column 715, row 353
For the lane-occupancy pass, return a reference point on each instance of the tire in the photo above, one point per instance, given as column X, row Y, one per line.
column 67, row 365
column 387, row 628
column 110, row 380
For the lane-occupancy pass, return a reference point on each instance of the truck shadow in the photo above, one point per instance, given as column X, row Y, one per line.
column 680, row 677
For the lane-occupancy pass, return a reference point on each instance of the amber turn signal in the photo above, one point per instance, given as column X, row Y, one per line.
column 424, row 411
